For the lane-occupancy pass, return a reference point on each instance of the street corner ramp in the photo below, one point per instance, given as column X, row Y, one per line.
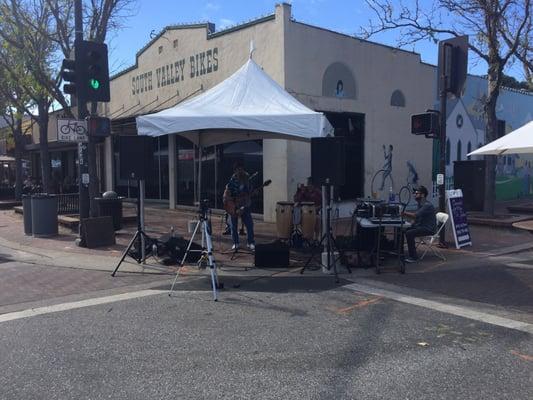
column 269, row 284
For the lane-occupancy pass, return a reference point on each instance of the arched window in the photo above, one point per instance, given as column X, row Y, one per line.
column 458, row 151
column 448, row 149
column 468, row 149
column 339, row 81
column 397, row 99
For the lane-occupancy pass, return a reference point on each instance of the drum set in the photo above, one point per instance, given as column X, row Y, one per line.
column 297, row 219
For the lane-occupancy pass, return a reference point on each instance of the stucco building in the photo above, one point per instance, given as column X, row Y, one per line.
column 367, row 91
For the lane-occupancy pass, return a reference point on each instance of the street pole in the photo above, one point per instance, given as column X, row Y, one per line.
column 443, row 95
column 83, row 152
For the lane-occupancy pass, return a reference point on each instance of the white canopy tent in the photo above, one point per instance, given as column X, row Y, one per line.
column 248, row 105
column 517, row 141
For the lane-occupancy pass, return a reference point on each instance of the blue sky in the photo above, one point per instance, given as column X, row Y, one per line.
column 346, row 16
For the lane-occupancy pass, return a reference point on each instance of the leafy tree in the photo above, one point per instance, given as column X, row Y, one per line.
column 513, row 83
column 498, row 30
column 100, row 17
column 36, row 35
column 25, row 50
column 13, row 118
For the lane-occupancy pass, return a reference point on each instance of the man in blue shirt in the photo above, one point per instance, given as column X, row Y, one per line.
column 425, row 222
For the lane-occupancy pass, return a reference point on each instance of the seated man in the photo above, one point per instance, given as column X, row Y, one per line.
column 425, row 222
column 307, row 194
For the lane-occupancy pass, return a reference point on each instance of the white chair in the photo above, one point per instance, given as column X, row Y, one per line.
column 431, row 242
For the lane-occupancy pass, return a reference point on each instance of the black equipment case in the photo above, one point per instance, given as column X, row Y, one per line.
column 272, row 255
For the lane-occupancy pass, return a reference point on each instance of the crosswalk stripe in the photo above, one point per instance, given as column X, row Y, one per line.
column 33, row 312
column 461, row 311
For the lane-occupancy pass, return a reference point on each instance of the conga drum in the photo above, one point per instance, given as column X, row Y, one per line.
column 308, row 220
column 284, row 219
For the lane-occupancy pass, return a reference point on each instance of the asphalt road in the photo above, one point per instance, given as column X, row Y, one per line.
column 325, row 343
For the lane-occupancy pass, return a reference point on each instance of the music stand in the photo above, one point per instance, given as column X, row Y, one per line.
column 140, row 235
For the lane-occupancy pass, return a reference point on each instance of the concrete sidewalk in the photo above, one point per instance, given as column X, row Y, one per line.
column 484, row 276
column 487, row 240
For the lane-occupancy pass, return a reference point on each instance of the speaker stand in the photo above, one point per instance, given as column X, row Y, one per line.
column 140, row 237
column 327, row 240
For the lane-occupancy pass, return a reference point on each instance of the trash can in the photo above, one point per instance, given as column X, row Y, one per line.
column 44, row 215
column 26, row 212
column 110, row 206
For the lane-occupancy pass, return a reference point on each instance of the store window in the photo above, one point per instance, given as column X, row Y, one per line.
column 217, row 168
column 156, row 186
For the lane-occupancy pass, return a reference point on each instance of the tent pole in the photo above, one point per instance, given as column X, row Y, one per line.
column 195, row 176
column 200, row 153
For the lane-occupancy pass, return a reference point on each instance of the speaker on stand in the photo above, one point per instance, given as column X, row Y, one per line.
column 328, row 170
column 328, row 162
column 136, row 159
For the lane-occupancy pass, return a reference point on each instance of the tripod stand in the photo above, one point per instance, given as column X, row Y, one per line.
column 140, row 236
column 204, row 224
column 327, row 240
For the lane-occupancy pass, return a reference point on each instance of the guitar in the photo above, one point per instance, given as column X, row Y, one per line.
column 235, row 205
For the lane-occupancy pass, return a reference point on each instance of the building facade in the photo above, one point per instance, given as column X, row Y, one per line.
column 366, row 90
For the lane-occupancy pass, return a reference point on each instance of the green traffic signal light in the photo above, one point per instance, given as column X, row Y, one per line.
column 95, row 84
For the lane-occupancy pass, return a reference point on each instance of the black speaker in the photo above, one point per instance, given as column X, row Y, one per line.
column 469, row 177
column 328, row 160
column 98, row 232
column 136, row 154
column 271, row 255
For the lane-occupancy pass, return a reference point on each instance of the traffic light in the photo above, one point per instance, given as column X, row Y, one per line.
column 98, row 126
column 92, row 71
column 68, row 73
column 425, row 124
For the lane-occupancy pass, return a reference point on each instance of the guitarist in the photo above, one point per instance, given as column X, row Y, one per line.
column 237, row 201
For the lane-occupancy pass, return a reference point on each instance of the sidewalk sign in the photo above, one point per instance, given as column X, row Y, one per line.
column 456, row 210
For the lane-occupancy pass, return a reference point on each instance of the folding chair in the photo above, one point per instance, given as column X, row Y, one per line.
column 431, row 242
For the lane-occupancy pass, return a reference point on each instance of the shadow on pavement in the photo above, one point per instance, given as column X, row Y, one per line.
column 271, row 284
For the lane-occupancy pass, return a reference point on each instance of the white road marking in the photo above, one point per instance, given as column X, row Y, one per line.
column 460, row 311
column 33, row 312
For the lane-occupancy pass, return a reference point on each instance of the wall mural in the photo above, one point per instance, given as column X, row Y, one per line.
column 387, row 167
column 338, row 81
column 513, row 172
column 382, row 181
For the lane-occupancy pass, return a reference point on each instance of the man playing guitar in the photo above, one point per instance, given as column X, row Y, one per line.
column 237, row 201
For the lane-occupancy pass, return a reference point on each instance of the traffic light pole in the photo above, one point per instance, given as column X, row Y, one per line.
column 443, row 95
column 83, row 149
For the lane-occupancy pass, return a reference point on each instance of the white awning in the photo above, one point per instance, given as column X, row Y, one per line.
column 517, row 141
